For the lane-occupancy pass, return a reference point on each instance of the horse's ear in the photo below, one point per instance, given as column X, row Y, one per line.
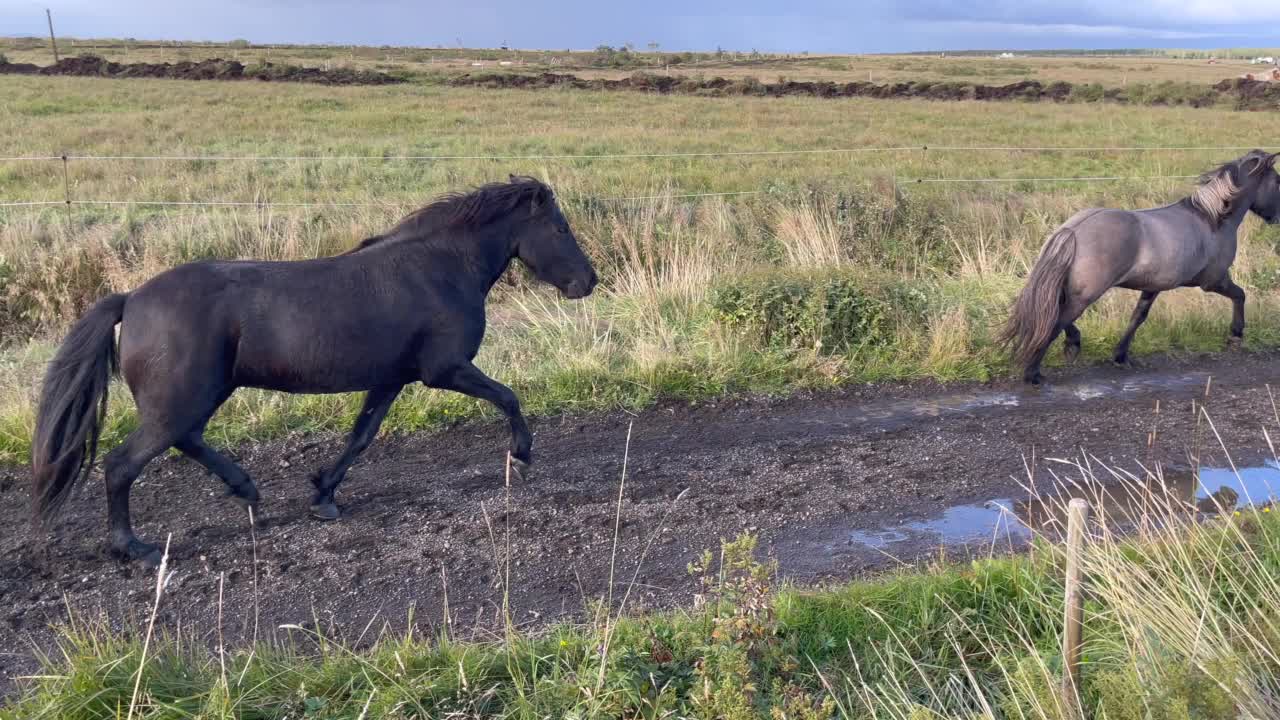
column 541, row 197
column 511, row 177
column 1262, row 162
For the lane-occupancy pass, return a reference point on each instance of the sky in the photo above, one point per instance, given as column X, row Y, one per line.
column 816, row 26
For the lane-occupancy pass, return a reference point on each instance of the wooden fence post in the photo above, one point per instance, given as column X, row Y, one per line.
column 52, row 40
column 1073, row 620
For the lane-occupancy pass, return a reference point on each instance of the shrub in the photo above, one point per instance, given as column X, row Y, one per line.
column 827, row 311
column 751, row 85
column 1088, row 92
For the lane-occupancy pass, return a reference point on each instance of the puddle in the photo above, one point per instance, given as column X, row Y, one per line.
column 960, row 525
column 889, row 415
column 1005, row 521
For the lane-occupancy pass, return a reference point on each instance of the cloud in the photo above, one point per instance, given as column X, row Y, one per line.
column 1064, row 30
column 1192, row 18
column 813, row 25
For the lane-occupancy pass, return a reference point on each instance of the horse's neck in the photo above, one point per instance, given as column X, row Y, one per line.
column 1231, row 223
column 473, row 257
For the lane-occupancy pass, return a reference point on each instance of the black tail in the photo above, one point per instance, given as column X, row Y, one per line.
column 73, row 403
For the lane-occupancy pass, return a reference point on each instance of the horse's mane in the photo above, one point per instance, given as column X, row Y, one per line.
column 462, row 209
column 1222, row 186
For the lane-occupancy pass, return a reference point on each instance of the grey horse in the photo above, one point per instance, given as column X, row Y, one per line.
column 1190, row 243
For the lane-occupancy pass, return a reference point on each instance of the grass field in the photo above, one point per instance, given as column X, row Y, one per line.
column 1109, row 70
column 932, row 266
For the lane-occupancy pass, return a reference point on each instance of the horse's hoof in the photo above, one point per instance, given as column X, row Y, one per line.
column 1071, row 353
column 136, row 550
column 325, row 511
column 521, row 469
column 249, row 502
column 1235, row 342
column 1032, row 378
column 151, row 560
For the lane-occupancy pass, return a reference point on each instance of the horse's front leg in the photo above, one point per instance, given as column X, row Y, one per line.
column 376, row 404
column 1228, row 289
column 468, row 379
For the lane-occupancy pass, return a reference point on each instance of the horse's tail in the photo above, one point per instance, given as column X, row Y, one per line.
column 73, row 404
column 1036, row 313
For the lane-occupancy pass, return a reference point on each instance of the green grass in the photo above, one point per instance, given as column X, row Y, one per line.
column 1180, row 623
column 953, row 255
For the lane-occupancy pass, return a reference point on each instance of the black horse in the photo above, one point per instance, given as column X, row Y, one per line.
column 405, row 306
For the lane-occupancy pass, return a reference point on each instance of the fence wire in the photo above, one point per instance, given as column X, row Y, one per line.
column 641, row 156
column 69, row 201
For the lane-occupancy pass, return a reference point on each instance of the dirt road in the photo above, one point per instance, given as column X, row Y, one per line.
column 809, row 475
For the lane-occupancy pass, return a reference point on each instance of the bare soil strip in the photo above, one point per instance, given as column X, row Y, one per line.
column 802, row 473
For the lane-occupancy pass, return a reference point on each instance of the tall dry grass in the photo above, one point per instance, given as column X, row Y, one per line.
column 650, row 331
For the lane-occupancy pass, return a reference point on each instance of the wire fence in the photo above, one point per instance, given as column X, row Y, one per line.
column 69, row 201
column 642, row 156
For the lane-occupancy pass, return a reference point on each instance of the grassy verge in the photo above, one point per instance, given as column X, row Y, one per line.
column 1181, row 622
column 807, row 289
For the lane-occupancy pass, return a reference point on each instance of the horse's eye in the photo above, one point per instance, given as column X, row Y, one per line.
column 563, row 229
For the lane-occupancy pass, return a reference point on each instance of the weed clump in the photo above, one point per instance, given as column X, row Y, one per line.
column 828, row 312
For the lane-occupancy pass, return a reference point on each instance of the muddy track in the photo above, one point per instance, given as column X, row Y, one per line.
column 803, row 473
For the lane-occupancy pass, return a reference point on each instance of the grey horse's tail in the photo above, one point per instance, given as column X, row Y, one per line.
column 73, row 403
column 1034, row 320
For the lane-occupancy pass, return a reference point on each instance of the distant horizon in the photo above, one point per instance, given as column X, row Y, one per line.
column 641, row 49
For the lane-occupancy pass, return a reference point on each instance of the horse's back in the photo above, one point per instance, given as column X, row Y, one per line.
column 1153, row 249
column 197, row 297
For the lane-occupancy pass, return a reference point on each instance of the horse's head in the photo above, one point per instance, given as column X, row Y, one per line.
column 547, row 246
column 1266, row 196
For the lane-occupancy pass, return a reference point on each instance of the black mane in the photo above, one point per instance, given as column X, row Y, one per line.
column 462, row 209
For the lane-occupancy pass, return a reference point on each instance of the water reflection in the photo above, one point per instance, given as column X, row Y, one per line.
column 1120, row 505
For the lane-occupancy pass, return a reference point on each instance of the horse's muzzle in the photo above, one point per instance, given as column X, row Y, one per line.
column 577, row 289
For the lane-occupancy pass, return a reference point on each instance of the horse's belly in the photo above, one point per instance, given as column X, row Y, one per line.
column 328, row 375
column 1158, row 271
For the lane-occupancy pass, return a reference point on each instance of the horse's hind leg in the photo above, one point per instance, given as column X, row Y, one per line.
column 1032, row 373
column 1139, row 316
column 1071, row 346
column 376, row 404
column 1071, row 310
column 121, row 467
column 1228, row 289
column 170, row 411
column 239, row 485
